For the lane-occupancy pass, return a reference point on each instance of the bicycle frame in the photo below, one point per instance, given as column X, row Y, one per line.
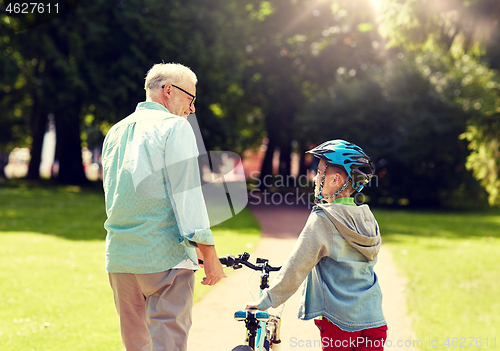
column 262, row 329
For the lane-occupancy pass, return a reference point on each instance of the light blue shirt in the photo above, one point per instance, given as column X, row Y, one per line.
column 154, row 202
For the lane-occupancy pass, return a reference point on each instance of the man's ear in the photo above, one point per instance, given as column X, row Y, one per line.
column 167, row 90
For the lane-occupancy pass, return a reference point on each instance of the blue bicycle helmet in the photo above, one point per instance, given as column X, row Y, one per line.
column 348, row 156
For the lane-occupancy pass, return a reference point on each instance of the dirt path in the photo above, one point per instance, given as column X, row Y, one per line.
column 214, row 327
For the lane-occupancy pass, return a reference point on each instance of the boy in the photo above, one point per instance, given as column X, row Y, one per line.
column 336, row 251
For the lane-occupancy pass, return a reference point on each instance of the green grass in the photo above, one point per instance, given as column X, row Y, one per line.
column 452, row 262
column 54, row 293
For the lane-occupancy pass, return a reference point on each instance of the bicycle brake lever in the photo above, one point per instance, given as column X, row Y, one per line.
column 245, row 256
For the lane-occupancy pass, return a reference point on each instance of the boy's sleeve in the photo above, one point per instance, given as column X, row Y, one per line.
column 315, row 242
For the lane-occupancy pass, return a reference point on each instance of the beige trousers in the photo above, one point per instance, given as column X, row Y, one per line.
column 154, row 309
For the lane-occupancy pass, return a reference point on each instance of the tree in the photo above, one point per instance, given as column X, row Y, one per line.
column 17, row 100
column 92, row 70
column 12, row 127
column 293, row 54
column 43, row 83
column 464, row 32
column 408, row 129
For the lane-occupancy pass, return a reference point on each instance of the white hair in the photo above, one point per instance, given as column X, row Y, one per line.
column 163, row 73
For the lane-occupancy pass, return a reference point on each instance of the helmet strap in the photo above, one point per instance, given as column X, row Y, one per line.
column 319, row 198
column 342, row 188
column 324, row 200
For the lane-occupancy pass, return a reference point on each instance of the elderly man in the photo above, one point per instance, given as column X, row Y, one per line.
column 157, row 223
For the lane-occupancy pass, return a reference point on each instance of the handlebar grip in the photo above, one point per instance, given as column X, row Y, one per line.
column 223, row 260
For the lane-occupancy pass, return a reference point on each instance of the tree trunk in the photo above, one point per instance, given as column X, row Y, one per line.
column 38, row 127
column 285, row 125
column 285, row 165
column 302, row 159
column 4, row 160
column 68, row 147
column 266, row 170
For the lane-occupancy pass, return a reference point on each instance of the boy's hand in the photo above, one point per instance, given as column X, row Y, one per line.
column 252, row 306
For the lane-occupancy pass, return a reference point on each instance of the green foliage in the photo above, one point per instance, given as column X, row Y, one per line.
column 285, row 70
column 398, row 118
column 93, row 61
column 464, row 32
column 484, row 160
column 14, row 103
column 293, row 55
column 473, row 87
column 457, row 26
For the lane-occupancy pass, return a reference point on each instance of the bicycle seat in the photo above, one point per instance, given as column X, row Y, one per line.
column 259, row 315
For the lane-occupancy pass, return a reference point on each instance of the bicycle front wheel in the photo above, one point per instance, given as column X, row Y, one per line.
column 242, row 348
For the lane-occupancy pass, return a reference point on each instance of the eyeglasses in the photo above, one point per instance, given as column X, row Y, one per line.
column 175, row 86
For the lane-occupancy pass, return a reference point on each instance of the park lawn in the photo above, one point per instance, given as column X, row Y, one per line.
column 54, row 293
column 452, row 263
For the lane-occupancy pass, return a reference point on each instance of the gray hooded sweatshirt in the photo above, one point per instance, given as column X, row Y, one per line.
column 335, row 254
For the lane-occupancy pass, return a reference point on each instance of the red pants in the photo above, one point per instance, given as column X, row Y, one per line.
column 335, row 339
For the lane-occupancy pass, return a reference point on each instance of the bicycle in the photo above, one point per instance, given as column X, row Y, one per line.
column 262, row 328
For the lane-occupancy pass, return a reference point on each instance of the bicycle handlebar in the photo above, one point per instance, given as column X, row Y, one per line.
column 237, row 262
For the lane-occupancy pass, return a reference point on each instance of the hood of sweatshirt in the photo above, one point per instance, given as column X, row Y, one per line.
column 357, row 225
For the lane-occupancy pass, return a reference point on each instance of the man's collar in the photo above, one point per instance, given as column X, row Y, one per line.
column 150, row 105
